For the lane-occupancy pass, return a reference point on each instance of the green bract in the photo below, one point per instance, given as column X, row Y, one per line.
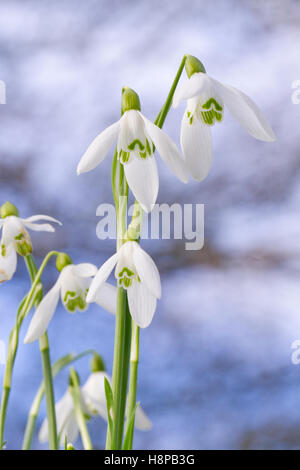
column 8, row 209
column 62, row 260
column 193, row 65
column 97, row 363
column 130, row 100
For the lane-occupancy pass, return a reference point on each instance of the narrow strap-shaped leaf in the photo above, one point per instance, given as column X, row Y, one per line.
column 128, row 436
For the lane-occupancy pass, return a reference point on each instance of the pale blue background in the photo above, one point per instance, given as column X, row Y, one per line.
column 216, row 369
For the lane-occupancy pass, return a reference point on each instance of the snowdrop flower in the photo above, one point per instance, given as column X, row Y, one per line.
column 136, row 138
column 72, row 285
column 15, row 238
column 93, row 402
column 206, row 98
column 137, row 273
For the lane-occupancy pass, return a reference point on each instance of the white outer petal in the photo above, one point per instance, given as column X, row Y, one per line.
column 101, row 277
column 93, row 392
column 8, row 264
column 64, row 411
column 43, row 314
column 196, row 144
column 12, row 227
column 142, row 421
column 193, row 87
column 142, row 304
column 98, row 149
column 106, row 297
column 167, row 150
column 36, row 218
column 147, row 270
column 84, row 269
column 245, row 111
column 40, row 227
column 142, row 178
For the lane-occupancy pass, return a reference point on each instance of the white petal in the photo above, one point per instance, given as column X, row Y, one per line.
column 36, row 218
column 196, row 143
column 8, row 264
column 142, row 304
column 93, row 393
column 70, row 430
column 84, row 269
column 106, row 297
column 167, row 150
column 193, row 87
column 12, row 227
column 142, row 178
column 43, row 314
column 40, row 227
column 101, row 277
column 142, row 422
column 147, row 270
column 63, row 409
column 245, row 111
column 98, row 149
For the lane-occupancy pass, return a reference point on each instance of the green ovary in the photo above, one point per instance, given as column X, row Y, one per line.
column 74, row 301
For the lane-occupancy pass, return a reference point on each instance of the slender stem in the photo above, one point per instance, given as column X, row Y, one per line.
column 122, row 326
column 46, row 362
column 160, row 119
column 81, row 421
column 23, row 309
column 134, row 361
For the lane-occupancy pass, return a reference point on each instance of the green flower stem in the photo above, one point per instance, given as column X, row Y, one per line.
column 80, row 417
column 134, row 361
column 46, row 362
column 122, row 331
column 34, row 410
column 160, row 119
column 25, row 306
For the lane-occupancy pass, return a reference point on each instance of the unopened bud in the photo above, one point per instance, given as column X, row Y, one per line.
column 62, row 260
column 130, row 100
column 193, row 65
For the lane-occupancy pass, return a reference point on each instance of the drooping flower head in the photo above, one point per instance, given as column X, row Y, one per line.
column 15, row 238
column 137, row 138
column 137, row 273
column 72, row 286
column 206, row 99
column 93, row 402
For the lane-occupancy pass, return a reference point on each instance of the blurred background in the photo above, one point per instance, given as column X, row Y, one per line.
column 215, row 369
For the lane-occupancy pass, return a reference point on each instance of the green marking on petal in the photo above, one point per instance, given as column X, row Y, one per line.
column 74, row 301
column 3, row 250
column 135, row 143
column 211, row 112
column 148, row 148
column 143, row 155
column 125, row 277
column 124, row 156
column 23, row 244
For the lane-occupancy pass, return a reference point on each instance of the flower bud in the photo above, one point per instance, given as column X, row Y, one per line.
column 193, row 65
column 97, row 364
column 8, row 209
column 130, row 100
column 62, row 260
column 70, row 447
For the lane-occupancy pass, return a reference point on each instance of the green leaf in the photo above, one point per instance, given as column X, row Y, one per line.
column 127, row 445
column 109, row 405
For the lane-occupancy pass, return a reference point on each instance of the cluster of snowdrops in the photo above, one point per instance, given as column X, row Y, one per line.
column 133, row 297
